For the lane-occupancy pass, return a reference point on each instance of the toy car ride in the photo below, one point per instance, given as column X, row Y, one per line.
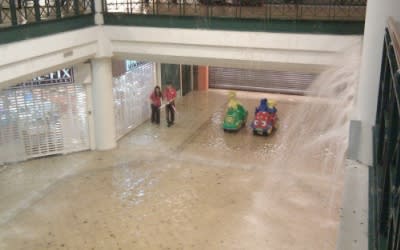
column 236, row 115
column 266, row 118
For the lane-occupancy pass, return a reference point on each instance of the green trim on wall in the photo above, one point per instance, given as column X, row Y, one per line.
column 44, row 28
column 218, row 23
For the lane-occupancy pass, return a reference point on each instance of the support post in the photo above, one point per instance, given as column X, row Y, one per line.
column 367, row 95
column 103, row 104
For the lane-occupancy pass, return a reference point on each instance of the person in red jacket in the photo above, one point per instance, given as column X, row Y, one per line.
column 155, row 98
column 170, row 95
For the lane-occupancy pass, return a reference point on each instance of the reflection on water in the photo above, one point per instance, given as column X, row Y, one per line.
column 130, row 184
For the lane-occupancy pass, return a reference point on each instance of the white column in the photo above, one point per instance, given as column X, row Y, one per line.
column 377, row 15
column 92, row 134
column 103, row 104
column 155, row 72
column 158, row 74
column 83, row 75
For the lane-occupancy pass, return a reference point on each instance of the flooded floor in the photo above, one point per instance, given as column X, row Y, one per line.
column 190, row 186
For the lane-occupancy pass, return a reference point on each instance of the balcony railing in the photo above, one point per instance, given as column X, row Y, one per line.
column 18, row 12
column 385, row 174
column 299, row 16
column 325, row 10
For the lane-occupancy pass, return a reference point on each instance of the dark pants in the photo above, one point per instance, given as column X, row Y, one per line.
column 155, row 114
column 170, row 113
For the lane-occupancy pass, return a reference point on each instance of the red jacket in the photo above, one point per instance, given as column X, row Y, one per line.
column 155, row 100
column 169, row 94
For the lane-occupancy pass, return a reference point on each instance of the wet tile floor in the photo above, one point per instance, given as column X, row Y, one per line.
column 190, row 186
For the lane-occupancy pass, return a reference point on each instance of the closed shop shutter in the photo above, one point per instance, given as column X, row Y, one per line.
column 40, row 120
column 131, row 97
column 260, row 80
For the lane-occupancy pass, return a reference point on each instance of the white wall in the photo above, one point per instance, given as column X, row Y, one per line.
column 377, row 14
column 83, row 73
column 27, row 59
column 280, row 51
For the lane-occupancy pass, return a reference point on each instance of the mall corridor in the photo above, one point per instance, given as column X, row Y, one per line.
column 190, row 186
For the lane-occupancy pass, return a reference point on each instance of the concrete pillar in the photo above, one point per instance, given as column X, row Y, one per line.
column 91, row 126
column 377, row 15
column 83, row 75
column 158, row 74
column 203, row 78
column 103, row 104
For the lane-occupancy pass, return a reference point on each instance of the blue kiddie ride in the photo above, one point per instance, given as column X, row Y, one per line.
column 266, row 118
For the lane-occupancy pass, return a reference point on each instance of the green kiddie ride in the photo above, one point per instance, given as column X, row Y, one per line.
column 236, row 115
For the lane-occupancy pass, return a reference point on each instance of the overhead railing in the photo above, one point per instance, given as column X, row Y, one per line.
column 326, row 10
column 19, row 12
column 296, row 16
column 326, row 16
column 24, row 19
column 384, row 210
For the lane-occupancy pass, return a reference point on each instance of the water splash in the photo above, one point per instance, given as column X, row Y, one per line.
column 310, row 164
column 319, row 127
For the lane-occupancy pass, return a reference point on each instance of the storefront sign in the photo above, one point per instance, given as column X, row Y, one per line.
column 60, row 76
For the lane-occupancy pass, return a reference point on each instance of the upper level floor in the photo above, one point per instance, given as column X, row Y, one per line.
column 24, row 19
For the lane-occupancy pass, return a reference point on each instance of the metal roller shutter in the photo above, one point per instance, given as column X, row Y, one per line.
column 260, row 80
column 131, row 97
column 42, row 120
